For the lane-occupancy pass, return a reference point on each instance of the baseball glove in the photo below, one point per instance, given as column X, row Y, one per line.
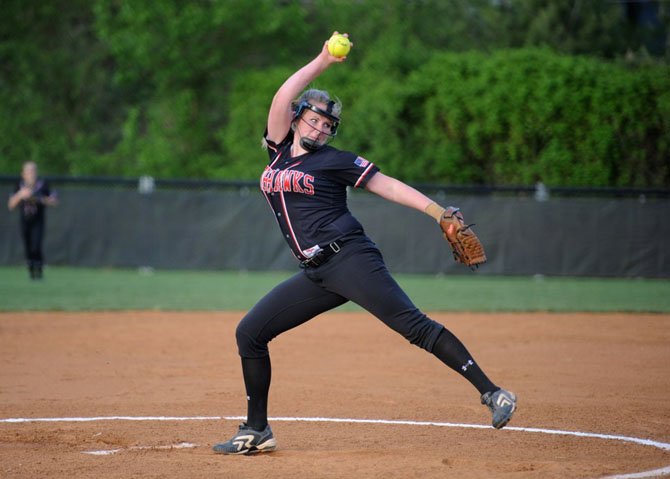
column 464, row 243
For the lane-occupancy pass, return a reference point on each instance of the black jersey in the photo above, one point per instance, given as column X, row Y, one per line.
column 32, row 208
column 308, row 194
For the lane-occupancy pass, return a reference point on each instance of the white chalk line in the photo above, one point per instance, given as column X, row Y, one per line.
column 664, row 471
column 635, row 440
column 109, row 452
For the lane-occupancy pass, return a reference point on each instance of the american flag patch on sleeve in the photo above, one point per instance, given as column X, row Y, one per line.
column 362, row 162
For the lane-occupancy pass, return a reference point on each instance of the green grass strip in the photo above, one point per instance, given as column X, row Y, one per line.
column 85, row 289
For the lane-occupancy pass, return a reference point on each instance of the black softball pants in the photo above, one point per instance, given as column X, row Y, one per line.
column 357, row 273
column 32, row 233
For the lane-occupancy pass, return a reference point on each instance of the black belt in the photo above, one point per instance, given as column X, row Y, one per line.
column 324, row 255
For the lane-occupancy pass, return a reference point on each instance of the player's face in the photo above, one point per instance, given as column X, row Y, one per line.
column 29, row 173
column 315, row 126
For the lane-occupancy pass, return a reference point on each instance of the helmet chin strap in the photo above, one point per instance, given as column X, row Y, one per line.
column 310, row 145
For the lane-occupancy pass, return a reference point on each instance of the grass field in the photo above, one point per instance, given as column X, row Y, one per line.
column 83, row 289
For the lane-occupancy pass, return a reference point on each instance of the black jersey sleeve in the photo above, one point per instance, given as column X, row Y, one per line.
column 274, row 148
column 353, row 170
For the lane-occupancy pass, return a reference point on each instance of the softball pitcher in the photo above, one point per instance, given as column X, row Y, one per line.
column 305, row 184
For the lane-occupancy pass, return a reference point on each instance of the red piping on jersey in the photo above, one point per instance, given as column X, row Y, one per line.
column 276, row 158
column 367, row 170
column 285, row 211
column 271, row 146
column 286, row 217
column 267, row 198
column 283, row 202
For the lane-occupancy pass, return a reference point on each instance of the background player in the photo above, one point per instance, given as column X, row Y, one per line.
column 305, row 185
column 32, row 195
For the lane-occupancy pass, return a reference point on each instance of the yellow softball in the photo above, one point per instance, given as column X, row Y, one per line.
column 339, row 45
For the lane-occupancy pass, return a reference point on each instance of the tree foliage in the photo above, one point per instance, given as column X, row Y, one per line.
column 434, row 90
column 520, row 115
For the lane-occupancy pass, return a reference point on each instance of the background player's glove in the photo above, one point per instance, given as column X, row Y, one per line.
column 464, row 243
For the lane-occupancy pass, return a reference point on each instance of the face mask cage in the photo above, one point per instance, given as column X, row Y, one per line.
column 303, row 105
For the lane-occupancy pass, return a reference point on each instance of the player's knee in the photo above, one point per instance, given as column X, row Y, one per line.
column 244, row 342
column 249, row 345
column 423, row 333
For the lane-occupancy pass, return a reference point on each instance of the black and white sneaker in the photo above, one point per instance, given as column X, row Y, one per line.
column 248, row 441
column 502, row 405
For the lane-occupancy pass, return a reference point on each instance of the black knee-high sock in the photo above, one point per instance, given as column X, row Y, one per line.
column 257, row 373
column 449, row 349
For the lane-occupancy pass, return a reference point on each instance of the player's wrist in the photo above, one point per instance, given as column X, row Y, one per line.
column 435, row 211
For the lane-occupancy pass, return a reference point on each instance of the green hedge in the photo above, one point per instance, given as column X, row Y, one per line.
column 516, row 116
column 510, row 117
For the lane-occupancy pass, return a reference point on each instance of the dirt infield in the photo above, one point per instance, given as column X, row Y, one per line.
column 596, row 373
